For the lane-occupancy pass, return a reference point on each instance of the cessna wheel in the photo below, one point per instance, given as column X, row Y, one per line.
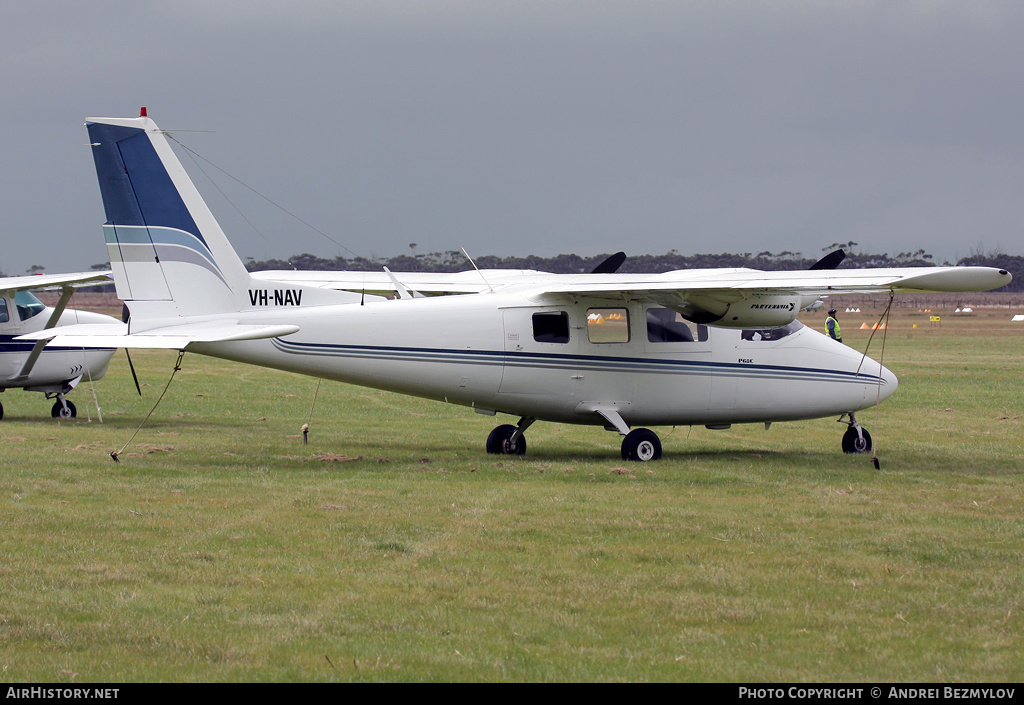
column 856, row 443
column 641, row 445
column 1, row 411
column 59, row 412
column 500, row 442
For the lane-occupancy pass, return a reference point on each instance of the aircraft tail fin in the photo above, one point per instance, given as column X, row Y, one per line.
column 169, row 256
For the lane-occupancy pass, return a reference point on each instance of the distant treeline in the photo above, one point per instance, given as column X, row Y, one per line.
column 454, row 261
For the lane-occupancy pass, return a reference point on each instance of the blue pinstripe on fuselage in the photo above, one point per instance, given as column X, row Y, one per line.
column 596, row 363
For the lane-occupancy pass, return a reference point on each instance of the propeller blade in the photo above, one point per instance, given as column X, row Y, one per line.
column 829, row 261
column 611, row 264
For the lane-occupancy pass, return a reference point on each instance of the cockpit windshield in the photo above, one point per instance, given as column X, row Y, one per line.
column 28, row 305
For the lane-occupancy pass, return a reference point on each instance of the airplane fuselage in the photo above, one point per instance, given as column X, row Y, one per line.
column 52, row 370
column 566, row 359
column 55, row 365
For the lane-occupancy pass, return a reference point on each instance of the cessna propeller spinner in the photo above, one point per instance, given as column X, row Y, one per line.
column 53, row 370
column 623, row 351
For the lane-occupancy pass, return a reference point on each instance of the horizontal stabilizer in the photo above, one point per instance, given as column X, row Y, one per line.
column 168, row 338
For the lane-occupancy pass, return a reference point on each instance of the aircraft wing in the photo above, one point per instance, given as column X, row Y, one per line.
column 116, row 335
column 817, row 282
column 731, row 283
column 43, row 281
column 470, row 282
column 748, row 298
column 723, row 297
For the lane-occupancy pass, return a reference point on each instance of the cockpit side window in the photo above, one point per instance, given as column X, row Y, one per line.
column 4, row 316
column 666, row 326
column 28, row 305
column 551, row 327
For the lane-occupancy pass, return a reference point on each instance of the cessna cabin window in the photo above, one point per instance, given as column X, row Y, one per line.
column 4, row 316
column 771, row 333
column 28, row 305
column 551, row 327
column 666, row 326
column 608, row 325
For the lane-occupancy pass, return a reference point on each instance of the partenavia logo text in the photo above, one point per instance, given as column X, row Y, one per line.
column 787, row 307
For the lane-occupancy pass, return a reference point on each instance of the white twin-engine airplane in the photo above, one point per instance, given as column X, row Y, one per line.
column 623, row 351
column 53, row 370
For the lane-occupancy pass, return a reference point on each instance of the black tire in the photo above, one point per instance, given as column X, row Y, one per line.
column 1, row 411
column 641, row 445
column 856, row 443
column 58, row 411
column 499, row 442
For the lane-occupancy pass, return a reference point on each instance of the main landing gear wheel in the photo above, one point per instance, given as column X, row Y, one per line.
column 856, row 439
column 501, row 441
column 641, row 445
column 63, row 409
column 1, row 411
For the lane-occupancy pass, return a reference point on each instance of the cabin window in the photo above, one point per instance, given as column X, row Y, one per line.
column 4, row 316
column 551, row 327
column 666, row 326
column 608, row 325
column 766, row 334
column 28, row 305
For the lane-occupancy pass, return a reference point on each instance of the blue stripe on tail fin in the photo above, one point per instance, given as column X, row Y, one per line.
column 135, row 185
column 169, row 257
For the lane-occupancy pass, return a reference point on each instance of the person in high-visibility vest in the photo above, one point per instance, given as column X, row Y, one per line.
column 832, row 326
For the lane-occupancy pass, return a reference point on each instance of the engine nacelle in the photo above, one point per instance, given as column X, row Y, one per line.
column 752, row 311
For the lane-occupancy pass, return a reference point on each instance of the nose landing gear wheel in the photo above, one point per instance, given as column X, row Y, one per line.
column 856, row 440
column 63, row 409
column 641, row 445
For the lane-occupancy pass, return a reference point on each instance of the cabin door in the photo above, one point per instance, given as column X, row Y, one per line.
column 541, row 346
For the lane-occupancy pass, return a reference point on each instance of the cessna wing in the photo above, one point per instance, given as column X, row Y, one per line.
column 45, row 281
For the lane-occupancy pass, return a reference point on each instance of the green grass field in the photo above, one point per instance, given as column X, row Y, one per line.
column 393, row 548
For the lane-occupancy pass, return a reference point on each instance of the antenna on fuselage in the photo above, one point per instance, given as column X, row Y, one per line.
column 477, row 270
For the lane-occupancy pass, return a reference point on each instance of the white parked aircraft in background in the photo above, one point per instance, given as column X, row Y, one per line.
column 624, row 351
column 53, row 370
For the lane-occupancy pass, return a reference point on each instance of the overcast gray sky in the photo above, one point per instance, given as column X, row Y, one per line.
column 535, row 126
